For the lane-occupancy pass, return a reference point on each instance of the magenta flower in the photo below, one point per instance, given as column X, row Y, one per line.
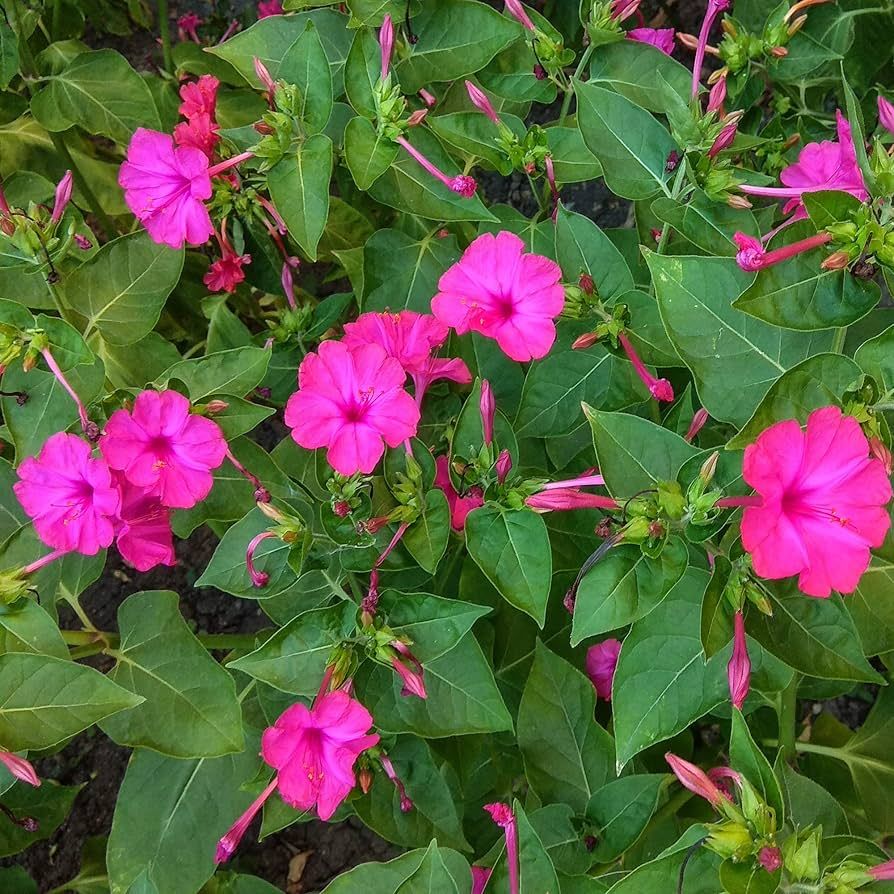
column 823, row 500
column 226, row 273
column 268, row 8
column 660, row 389
column 69, row 495
column 715, row 7
column 885, row 114
column 738, row 671
column 62, row 198
column 200, row 132
column 503, row 816
column 20, row 768
column 770, row 859
column 199, row 97
column 695, row 779
column 460, row 506
column 751, row 255
column 602, row 659
column 480, row 877
column 386, row 42
column 461, row 184
column 187, row 25
column 498, row 290
column 164, row 449
column 352, row 402
column 143, row 536
column 411, row 338
column 487, row 407
column 662, row 38
column 409, row 669
column 314, row 751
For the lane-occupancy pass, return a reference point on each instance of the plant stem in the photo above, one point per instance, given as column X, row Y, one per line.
column 164, row 26
column 838, row 341
column 56, row 21
column 787, row 713
column 110, row 640
column 566, row 102
column 676, row 189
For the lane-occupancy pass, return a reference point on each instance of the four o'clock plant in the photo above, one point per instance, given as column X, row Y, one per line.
column 467, row 420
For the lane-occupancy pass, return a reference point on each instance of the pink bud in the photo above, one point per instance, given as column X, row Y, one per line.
column 880, row 451
column 694, row 779
column 417, row 117
column 464, row 185
column 63, row 197
column 699, row 418
column 885, row 114
column 517, row 11
column 414, row 684
column 5, row 210
column 738, row 670
column 82, row 242
column 386, row 41
column 20, row 768
column 488, row 409
column 480, row 101
column 504, row 466
column 717, row 95
column 587, row 340
column 587, row 286
column 724, row 140
column 288, row 285
column 480, row 878
column 602, row 659
column 264, row 76
column 770, row 858
column 428, row 98
column 561, row 499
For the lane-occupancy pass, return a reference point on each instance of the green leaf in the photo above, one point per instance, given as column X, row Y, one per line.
column 462, row 697
column 537, row 875
column 817, row 382
column 876, row 358
column 432, row 876
column 45, row 700
column 134, row 366
column 807, row 803
column 363, row 68
column 426, row 539
column 368, row 154
column 572, row 161
column 387, row 878
column 750, row 761
column 299, row 187
column 240, row 416
column 662, row 683
column 512, row 549
column 568, row 756
column 49, row 805
column 635, row 454
column 169, row 816
column 629, row 143
column 708, row 224
column 475, row 135
column 26, row 627
column 100, row 92
column 434, row 813
column 9, row 54
column 236, row 371
column 581, row 247
column 871, row 607
column 305, row 65
column 456, row 38
column 814, row 636
column 624, row 586
column 621, row 810
column 190, row 707
column 734, row 358
column 121, row 291
column 748, row 878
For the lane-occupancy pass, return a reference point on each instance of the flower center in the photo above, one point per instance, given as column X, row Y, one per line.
column 160, row 446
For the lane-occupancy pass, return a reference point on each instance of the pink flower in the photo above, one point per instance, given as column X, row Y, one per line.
column 885, row 114
column 501, row 292
column 166, row 187
column 503, row 816
column 752, row 257
column 386, row 42
column 738, row 671
column 200, row 132
column 660, row 389
column 314, row 750
column 480, row 877
column 20, row 768
column 695, row 779
column 164, row 449
column 186, row 27
column 353, row 403
column 663, row 38
column 269, row 8
column 143, row 536
column 770, row 859
column 461, row 184
column 199, row 97
column 460, row 506
column 226, row 273
column 602, row 659
column 823, row 502
column 411, row 338
column 69, row 495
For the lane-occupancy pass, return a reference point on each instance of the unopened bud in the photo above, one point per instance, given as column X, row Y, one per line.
column 213, row 407
column 728, row 27
column 655, row 233
column 690, row 41
column 539, row 72
column 716, row 76
column 709, row 468
column 63, row 197
column 272, row 512
column 779, row 52
column 503, row 465
column 417, row 118
column 428, row 98
column 587, row 340
column 838, row 260
column 672, row 160
column 796, row 25
column 770, row 858
column 793, row 140
column 263, row 128
column 587, row 286
column 341, row 508
column 7, row 227
column 880, row 451
column 739, row 202
column 365, row 778
column 264, row 75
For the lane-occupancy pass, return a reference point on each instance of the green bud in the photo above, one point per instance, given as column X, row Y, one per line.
column 670, row 499
column 731, row 840
column 800, row 855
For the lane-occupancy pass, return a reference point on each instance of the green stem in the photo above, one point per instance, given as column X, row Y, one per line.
column 676, row 189
column 164, row 26
column 566, row 102
column 787, row 713
column 107, row 640
column 838, row 341
column 61, row 307
column 57, row 19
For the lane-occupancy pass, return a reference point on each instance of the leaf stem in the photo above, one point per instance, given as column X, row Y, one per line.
column 110, row 641
column 838, row 341
column 566, row 102
column 164, row 26
column 787, row 713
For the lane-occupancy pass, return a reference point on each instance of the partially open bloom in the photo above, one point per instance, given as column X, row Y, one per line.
column 270, row 8
column 738, row 671
column 352, row 402
column 314, row 751
column 602, row 659
column 480, row 877
column 199, row 97
column 752, row 257
column 695, row 779
column 503, row 816
column 143, row 535
column 161, row 447
column 460, row 506
column 498, row 290
column 69, row 495
column 823, row 499
column 462, row 184
column 885, row 114
column 660, row 389
column 662, row 38
column 409, row 669
column 411, row 338
column 20, row 768
column 226, row 272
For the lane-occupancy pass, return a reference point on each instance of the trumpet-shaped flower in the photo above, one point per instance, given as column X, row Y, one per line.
column 144, row 536
column 662, row 38
column 460, row 506
column 69, row 495
column 164, row 449
column 602, row 659
column 823, row 502
column 352, row 402
column 500, row 291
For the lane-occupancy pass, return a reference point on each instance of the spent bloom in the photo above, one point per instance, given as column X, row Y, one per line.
column 738, row 671
column 660, row 389
column 752, row 256
column 662, row 38
column 69, row 495
column 461, row 184
column 885, row 114
column 143, row 531
column 270, row 8
column 164, row 449
column 602, row 659
column 412, row 339
column 409, row 669
column 460, row 506
column 823, row 501
column 695, row 779
column 187, row 25
column 352, row 402
column 225, row 274
column 500, row 291
column 20, row 768
column 503, row 816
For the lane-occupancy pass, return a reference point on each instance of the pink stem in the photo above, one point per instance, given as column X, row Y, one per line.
column 773, row 192
column 258, row 578
column 584, row 481
column 86, row 425
column 424, row 162
column 43, row 561
column 796, row 248
column 222, row 166
column 734, row 502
